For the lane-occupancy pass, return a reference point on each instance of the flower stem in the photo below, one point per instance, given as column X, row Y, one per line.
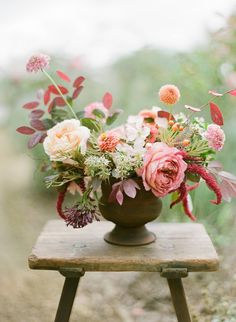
column 64, row 98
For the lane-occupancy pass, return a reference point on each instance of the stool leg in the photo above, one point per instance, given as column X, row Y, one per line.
column 179, row 299
column 67, row 299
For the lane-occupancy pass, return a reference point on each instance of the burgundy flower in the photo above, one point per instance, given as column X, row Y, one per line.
column 79, row 216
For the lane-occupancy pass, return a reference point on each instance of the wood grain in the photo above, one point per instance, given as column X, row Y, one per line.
column 178, row 245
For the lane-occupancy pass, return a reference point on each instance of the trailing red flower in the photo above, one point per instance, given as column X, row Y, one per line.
column 187, row 209
column 209, row 179
column 183, row 196
column 60, row 200
column 182, row 193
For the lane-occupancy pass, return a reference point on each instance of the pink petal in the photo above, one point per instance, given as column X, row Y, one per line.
column 215, row 93
column 193, row 109
column 119, row 197
column 129, row 188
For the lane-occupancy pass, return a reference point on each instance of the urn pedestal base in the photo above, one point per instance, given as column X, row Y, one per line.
column 130, row 236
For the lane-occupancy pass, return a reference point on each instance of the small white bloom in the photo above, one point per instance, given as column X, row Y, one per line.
column 135, row 128
column 65, row 138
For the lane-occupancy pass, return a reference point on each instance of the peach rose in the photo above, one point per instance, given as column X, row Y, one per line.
column 65, row 138
column 163, row 169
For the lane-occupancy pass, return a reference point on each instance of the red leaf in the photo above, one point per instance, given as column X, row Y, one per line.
column 63, row 76
column 233, row 92
column 25, row 130
column 54, row 90
column 78, row 81
column 77, row 92
column 51, row 105
column 216, row 114
column 193, row 109
column 215, row 93
column 107, row 100
column 59, row 101
column 35, row 139
column 46, row 97
column 31, row 105
column 37, row 124
column 43, row 138
column 166, row 115
column 36, row 114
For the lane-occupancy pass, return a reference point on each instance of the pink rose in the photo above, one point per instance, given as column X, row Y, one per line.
column 163, row 169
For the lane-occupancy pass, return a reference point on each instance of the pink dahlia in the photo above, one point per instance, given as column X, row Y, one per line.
column 108, row 141
column 37, row 62
column 215, row 137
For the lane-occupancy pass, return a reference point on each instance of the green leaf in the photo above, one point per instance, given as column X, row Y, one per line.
column 59, row 114
column 91, row 124
column 48, row 124
column 149, row 120
column 80, row 114
column 69, row 100
column 193, row 177
column 111, row 119
column 99, row 113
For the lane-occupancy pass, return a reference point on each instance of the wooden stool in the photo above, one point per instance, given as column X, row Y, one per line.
column 180, row 248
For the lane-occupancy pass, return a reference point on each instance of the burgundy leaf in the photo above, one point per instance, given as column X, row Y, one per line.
column 59, row 101
column 63, row 76
column 46, row 97
column 37, row 124
column 51, row 105
column 54, row 90
column 107, row 100
column 233, row 92
column 43, row 138
column 35, row 139
column 31, row 105
column 36, row 114
column 216, row 114
column 193, row 109
column 77, row 92
column 78, row 81
column 25, row 130
column 166, row 115
column 215, row 93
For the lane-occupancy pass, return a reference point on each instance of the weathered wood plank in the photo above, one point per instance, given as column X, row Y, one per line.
column 178, row 245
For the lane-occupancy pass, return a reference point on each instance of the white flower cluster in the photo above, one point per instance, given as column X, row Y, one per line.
column 198, row 125
column 97, row 166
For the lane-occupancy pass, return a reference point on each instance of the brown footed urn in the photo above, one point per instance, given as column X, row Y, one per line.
column 130, row 218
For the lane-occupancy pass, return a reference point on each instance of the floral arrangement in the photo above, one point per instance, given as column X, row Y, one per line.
column 167, row 151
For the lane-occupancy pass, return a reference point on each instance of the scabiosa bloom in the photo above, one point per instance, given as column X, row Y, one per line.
column 108, row 141
column 37, row 62
column 81, row 215
column 215, row 137
column 169, row 94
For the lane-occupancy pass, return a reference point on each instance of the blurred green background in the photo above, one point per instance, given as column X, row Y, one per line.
column 134, row 81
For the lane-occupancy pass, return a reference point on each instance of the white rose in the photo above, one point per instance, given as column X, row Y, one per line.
column 65, row 138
